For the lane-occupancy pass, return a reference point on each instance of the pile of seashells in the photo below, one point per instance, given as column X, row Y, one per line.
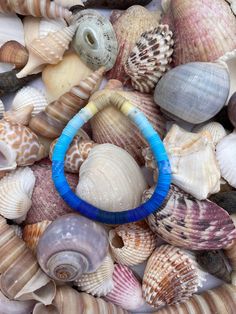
column 177, row 65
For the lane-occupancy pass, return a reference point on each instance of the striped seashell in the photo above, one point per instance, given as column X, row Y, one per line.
column 32, row 233
column 230, row 252
column 216, row 130
column 29, row 96
column 44, row 8
column 16, row 193
column 150, row 58
column 171, row 276
column 13, row 52
column 20, row 116
column 2, row 109
column 98, row 283
column 132, row 244
column 127, row 292
column 187, row 222
column 51, row 122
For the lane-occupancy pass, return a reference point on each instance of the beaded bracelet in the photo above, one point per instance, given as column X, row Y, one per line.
column 153, row 139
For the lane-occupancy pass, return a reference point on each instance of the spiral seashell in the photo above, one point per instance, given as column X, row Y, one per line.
column 170, row 276
column 127, row 292
column 96, row 45
column 15, row 307
column 16, row 192
column 110, row 126
column 150, row 58
column 98, row 283
column 23, row 141
column 14, row 52
column 218, row 300
column 192, row 224
column 29, row 96
column 110, row 179
column 50, row 123
column 46, row 203
column 207, row 39
column 49, row 49
column 20, row 116
column 66, row 249
column 128, row 28
column 32, row 233
column 76, row 154
column 44, row 8
column 216, row 130
column 193, row 162
column 225, row 154
column 226, row 200
column 132, row 244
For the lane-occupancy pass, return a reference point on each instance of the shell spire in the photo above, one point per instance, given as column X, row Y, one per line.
column 49, row 49
column 50, row 123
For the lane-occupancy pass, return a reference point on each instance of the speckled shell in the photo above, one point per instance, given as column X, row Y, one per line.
column 216, row 130
column 193, row 162
column 66, row 249
column 206, row 39
column 132, row 244
column 45, row 8
column 111, row 126
column 226, row 200
column 110, row 179
column 128, row 28
column 30, row 96
column 218, row 300
column 46, row 202
column 127, row 291
column 193, row 92
column 51, row 122
column 96, row 45
column 49, row 49
column 76, row 154
column 186, row 222
column 150, row 58
column 170, row 276
column 225, row 154
column 15, row 307
column 16, row 192
column 20, row 116
column 13, row 52
column 32, row 233
column 98, row 283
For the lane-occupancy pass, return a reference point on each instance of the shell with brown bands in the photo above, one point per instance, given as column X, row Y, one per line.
column 14, row 53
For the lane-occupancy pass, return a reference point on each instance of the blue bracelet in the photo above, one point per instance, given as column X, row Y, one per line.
column 156, row 145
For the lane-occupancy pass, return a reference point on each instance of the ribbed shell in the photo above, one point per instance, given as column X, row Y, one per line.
column 30, row 96
column 13, row 52
column 111, row 126
column 128, row 28
column 98, row 283
column 216, row 130
column 150, row 58
column 206, row 39
column 192, row 224
column 169, row 277
column 127, row 292
column 132, row 244
column 48, row 26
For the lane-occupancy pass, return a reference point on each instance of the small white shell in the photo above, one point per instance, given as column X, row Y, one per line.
column 46, row 26
column 30, row 96
column 13, row 29
column 216, row 130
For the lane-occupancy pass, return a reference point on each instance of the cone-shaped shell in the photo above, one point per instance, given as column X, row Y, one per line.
column 186, row 222
column 128, row 28
column 49, row 49
column 132, row 244
column 127, row 291
column 193, row 162
column 44, row 8
column 110, row 179
column 169, row 277
column 216, row 130
column 98, row 283
column 50, row 123
column 13, row 52
column 111, row 126
column 206, row 39
column 150, row 58
column 194, row 92
column 21, row 116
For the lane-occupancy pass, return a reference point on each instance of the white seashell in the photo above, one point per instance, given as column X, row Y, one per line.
column 31, row 29
column 193, row 162
column 100, row 282
column 216, row 130
column 111, row 179
column 29, row 96
column 69, row 3
column 225, row 154
column 48, row 25
column 13, row 29
column 15, row 193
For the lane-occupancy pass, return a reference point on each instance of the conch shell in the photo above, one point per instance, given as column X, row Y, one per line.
column 13, row 52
